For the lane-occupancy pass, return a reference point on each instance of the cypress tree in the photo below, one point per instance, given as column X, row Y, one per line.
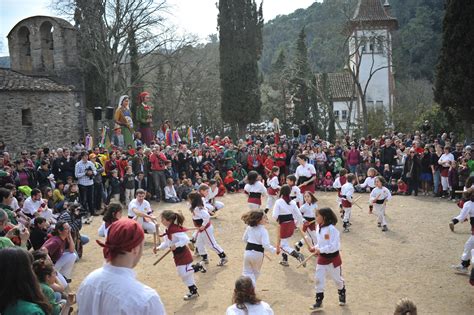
column 454, row 86
column 240, row 45
column 299, row 81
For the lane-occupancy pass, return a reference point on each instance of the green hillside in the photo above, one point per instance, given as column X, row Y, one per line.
column 416, row 43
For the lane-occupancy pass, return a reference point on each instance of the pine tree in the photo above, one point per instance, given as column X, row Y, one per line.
column 240, row 46
column 454, row 87
column 300, row 79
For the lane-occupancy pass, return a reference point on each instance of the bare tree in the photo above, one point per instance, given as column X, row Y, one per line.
column 361, row 43
column 106, row 29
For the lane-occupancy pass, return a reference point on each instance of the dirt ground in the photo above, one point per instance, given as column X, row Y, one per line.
column 411, row 260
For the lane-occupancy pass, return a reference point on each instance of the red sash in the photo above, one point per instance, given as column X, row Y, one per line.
column 182, row 256
column 287, row 229
column 345, row 203
column 335, row 261
column 272, row 192
column 310, row 187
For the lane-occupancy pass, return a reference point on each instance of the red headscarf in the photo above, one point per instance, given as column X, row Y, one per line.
column 123, row 236
column 141, row 97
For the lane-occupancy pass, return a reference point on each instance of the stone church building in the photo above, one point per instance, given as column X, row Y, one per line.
column 42, row 95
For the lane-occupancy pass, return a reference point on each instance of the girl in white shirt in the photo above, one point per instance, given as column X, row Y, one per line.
column 205, row 234
column 329, row 260
column 112, row 214
column 255, row 191
column 257, row 239
column 308, row 211
column 379, row 197
column 246, row 301
column 288, row 216
column 175, row 238
column 273, row 188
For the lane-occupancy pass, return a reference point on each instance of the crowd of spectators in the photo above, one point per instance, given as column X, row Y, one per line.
column 48, row 194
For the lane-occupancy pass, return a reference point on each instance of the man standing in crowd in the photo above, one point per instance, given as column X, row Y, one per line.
column 102, row 292
column 389, row 154
column 85, row 172
column 158, row 165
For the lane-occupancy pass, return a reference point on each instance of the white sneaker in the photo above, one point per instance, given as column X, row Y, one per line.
column 190, row 296
column 460, row 269
column 223, row 262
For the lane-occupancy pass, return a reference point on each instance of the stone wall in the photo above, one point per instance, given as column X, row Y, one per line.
column 56, row 119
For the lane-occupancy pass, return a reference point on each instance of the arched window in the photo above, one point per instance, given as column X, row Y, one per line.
column 47, row 46
column 24, row 41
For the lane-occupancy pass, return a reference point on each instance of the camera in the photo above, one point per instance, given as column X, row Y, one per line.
column 90, row 172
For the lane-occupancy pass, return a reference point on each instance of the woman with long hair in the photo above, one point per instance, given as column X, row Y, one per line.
column 19, row 288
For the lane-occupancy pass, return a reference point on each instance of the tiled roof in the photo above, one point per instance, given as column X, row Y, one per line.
column 14, row 81
column 341, row 85
column 372, row 11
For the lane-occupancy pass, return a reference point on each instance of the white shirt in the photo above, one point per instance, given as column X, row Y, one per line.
column 282, row 208
column 201, row 214
column 309, row 210
column 328, row 239
column 170, row 192
column 296, row 194
column 347, row 190
column 144, row 207
column 273, row 182
column 103, row 231
column 307, row 170
column 258, row 235
column 380, row 194
column 258, row 187
column 369, row 181
column 337, row 183
column 212, row 193
column 114, row 290
column 178, row 239
column 252, row 309
column 446, row 159
column 30, row 206
column 466, row 211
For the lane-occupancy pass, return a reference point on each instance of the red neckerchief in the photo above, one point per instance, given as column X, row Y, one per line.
column 173, row 228
column 286, row 198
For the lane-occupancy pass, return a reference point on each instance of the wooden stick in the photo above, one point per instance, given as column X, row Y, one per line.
column 278, row 243
column 306, row 260
column 162, row 256
column 304, row 237
column 267, row 257
column 354, row 202
column 458, row 191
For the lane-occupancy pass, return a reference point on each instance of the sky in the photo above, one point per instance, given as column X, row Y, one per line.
column 190, row 16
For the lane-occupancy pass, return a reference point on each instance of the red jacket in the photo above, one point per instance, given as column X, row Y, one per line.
column 158, row 162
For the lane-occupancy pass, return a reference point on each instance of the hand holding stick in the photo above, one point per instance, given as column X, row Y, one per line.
column 306, row 260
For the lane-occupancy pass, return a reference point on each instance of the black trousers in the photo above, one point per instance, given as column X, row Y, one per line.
column 412, row 185
column 98, row 195
column 86, row 198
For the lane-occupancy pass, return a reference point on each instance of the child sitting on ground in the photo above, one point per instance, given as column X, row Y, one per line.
column 402, row 187
column 185, row 189
column 170, row 193
column 230, row 183
column 327, row 182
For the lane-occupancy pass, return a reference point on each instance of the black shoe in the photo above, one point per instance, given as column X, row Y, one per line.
column 68, row 280
column 342, row 296
column 319, row 302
